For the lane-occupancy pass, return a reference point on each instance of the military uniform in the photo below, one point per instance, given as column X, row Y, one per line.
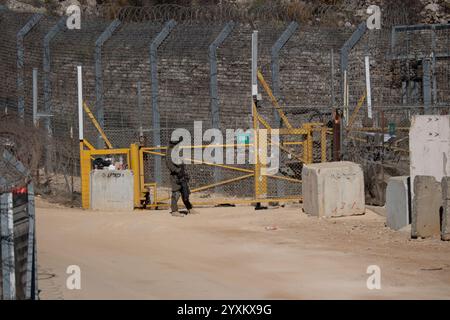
column 178, row 181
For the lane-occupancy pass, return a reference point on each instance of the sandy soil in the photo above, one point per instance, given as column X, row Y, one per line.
column 233, row 253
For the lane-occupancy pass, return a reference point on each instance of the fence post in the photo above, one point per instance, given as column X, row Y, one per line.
column 140, row 111
column 20, row 61
column 275, row 66
column 213, row 87
column 345, row 51
column 31, row 281
column 162, row 35
column 7, row 243
column 426, row 85
column 61, row 25
column 100, row 115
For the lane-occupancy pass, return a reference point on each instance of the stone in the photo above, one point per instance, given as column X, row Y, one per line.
column 426, row 207
column 333, row 189
column 112, row 190
column 398, row 202
column 445, row 211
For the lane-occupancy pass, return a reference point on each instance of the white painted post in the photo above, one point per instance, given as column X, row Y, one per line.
column 80, row 103
column 368, row 89
column 254, row 64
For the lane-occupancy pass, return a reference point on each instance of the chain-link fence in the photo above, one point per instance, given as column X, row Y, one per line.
column 149, row 71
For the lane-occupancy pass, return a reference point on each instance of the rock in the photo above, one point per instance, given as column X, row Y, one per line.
column 434, row 7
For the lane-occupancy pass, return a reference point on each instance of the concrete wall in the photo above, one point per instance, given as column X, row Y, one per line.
column 429, row 145
column 112, row 190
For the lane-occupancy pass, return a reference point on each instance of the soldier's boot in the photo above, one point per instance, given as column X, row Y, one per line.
column 177, row 214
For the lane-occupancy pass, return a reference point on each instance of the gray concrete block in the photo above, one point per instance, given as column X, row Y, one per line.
column 398, row 202
column 333, row 189
column 445, row 211
column 426, row 206
column 112, row 190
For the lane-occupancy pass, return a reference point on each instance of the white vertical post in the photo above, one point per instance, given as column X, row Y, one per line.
column 254, row 64
column 35, row 96
column 80, row 103
column 368, row 89
column 345, row 99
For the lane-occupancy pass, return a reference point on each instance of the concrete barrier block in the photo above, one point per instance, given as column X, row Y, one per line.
column 333, row 189
column 112, row 190
column 429, row 147
column 445, row 211
column 398, row 202
column 426, row 207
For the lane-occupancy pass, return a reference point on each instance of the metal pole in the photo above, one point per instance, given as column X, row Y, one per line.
column 168, row 27
column 7, row 243
column 214, row 94
column 139, row 103
column 80, row 103
column 31, row 280
column 275, row 66
column 368, row 87
column 33, row 21
column 426, row 85
column 61, row 25
column 99, row 76
column 213, row 72
column 35, row 97
column 255, row 66
column 333, row 99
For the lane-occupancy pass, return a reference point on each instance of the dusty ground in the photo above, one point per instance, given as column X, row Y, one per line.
column 235, row 253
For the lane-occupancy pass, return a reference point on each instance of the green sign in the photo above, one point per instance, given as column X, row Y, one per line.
column 243, row 138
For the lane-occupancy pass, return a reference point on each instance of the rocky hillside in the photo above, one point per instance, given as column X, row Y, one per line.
column 347, row 12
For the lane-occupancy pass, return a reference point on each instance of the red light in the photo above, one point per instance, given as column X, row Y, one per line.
column 22, row 190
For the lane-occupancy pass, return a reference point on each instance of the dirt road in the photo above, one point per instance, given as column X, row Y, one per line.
column 235, row 253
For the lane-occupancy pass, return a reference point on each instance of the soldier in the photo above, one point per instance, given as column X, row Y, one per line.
column 179, row 182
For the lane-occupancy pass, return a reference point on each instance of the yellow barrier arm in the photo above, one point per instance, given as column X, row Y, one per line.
column 97, row 125
column 274, row 100
column 355, row 112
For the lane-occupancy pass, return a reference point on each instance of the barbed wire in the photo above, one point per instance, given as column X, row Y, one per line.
column 220, row 13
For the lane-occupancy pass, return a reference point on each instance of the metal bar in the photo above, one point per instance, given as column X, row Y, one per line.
column 18, row 166
column 368, row 87
column 113, row 26
column 7, row 243
column 33, row 21
column 168, row 27
column 31, row 280
column 97, row 125
column 433, row 66
column 333, row 98
column 349, row 44
column 61, row 25
column 227, row 201
column 355, row 112
column 254, row 64
column 214, row 95
column 226, row 31
column 285, row 178
column 35, row 97
column 275, row 67
column 275, row 64
column 80, row 102
column 140, row 110
column 426, row 85
column 274, row 100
